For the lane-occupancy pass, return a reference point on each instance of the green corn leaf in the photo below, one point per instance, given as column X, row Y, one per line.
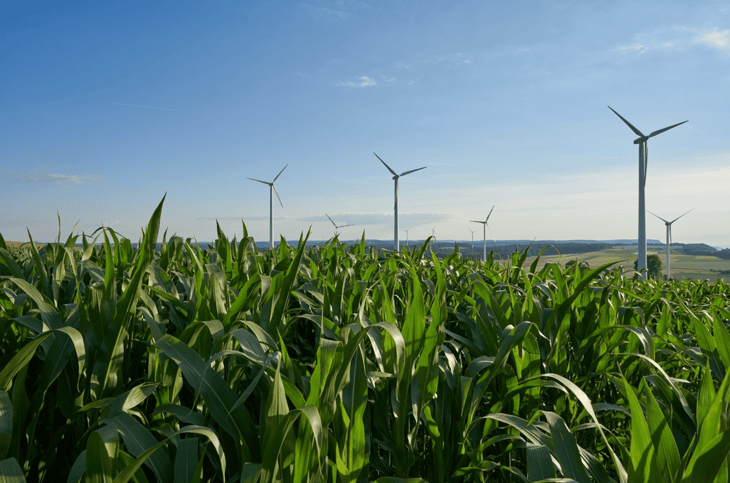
column 272, row 451
column 217, row 394
column 723, row 341
column 129, row 471
column 539, row 462
column 708, row 460
column 8, row 261
column 565, row 449
column 137, row 439
column 132, row 398
column 667, row 454
column 643, row 468
column 24, row 356
column 78, row 469
column 6, row 423
column 98, row 462
column 10, row 471
column 186, row 460
column 49, row 314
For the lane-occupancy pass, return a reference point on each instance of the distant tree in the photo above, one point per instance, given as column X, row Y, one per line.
column 582, row 266
column 653, row 265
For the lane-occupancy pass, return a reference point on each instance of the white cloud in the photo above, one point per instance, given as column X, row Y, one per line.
column 363, row 81
column 633, row 47
column 53, row 178
column 720, row 40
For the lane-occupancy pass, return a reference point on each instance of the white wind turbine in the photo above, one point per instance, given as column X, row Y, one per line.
column 407, row 230
column 669, row 236
column 337, row 227
column 643, row 160
column 486, row 225
column 272, row 190
column 395, row 178
column 433, row 236
column 472, row 238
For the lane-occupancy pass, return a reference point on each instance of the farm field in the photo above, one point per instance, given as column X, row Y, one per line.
column 683, row 266
column 346, row 364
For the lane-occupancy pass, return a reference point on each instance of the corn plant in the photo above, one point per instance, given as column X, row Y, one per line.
column 168, row 362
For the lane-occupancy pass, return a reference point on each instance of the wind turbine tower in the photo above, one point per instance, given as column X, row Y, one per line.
column 669, row 236
column 643, row 161
column 485, row 224
column 472, row 238
column 396, row 177
column 272, row 190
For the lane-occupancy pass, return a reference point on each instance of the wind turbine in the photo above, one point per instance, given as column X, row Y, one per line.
column 472, row 239
column 272, row 190
column 395, row 178
column 669, row 235
column 486, row 225
column 337, row 227
column 407, row 230
column 643, row 161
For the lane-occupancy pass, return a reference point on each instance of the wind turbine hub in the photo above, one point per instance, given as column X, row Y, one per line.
column 641, row 139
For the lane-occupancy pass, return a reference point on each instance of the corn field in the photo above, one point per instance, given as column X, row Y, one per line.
column 346, row 364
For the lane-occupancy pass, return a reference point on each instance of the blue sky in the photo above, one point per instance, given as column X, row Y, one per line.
column 107, row 106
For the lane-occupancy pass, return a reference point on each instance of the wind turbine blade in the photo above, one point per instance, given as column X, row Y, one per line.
column 665, row 221
column 490, row 232
column 474, row 221
column 490, row 213
column 389, row 169
column 412, row 171
column 638, row 133
column 328, row 216
column 277, row 176
column 277, row 194
column 264, row 182
column 680, row 216
column 665, row 129
column 342, row 226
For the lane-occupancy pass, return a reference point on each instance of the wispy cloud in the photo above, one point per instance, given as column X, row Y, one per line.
column 362, row 81
column 52, row 178
column 720, row 40
column 318, row 12
column 677, row 39
column 145, row 107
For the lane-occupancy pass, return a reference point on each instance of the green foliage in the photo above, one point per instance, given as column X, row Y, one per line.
column 653, row 266
column 342, row 364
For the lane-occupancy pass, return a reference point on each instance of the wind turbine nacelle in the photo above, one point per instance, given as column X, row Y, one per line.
column 640, row 140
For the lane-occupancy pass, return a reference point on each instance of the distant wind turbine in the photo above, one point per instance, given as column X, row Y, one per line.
column 643, row 161
column 407, row 230
column 272, row 190
column 395, row 178
column 486, row 225
column 433, row 235
column 472, row 238
column 669, row 236
column 337, row 227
